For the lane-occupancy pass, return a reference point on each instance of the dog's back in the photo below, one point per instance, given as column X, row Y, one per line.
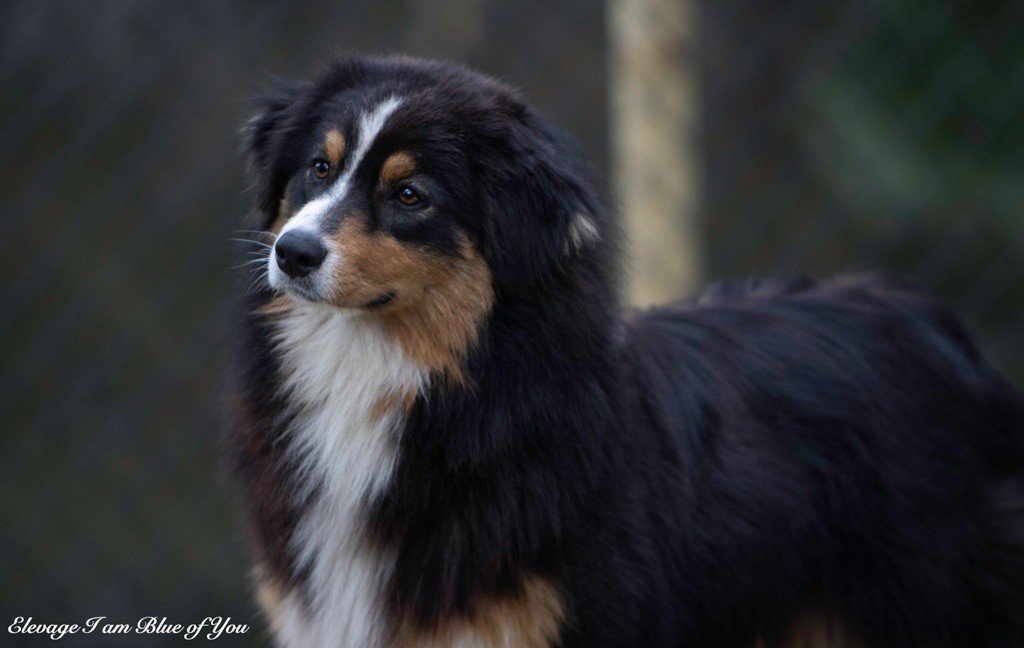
column 848, row 462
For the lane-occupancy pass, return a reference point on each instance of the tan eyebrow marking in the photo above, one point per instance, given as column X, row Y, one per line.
column 398, row 166
column 334, row 147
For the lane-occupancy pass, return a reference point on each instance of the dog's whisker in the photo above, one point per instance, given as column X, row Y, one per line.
column 250, row 262
column 258, row 233
column 252, row 241
column 260, row 281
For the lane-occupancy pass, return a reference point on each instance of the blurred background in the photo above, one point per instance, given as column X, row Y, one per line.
column 740, row 137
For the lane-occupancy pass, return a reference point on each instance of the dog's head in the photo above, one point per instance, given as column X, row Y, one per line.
column 391, row 181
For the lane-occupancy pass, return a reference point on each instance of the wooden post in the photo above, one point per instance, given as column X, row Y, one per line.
column 653, row 155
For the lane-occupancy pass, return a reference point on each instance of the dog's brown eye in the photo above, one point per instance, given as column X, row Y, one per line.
column 408, row 197
column 321, row 168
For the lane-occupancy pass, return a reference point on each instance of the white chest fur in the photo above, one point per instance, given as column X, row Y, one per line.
column 338, row 369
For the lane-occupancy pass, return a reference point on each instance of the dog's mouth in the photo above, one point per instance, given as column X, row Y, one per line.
column 303, row 292
column 383, row 300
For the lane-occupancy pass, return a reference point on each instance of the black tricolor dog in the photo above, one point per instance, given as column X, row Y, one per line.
column 450, row 434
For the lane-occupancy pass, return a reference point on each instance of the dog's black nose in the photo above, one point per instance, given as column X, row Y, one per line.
column 299, row 253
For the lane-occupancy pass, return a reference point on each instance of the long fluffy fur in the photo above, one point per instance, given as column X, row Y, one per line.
column 766, row 463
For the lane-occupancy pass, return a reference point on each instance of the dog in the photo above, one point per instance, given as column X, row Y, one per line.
column 449, row 433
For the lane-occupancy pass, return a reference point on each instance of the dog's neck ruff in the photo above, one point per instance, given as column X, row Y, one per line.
column 344, row 380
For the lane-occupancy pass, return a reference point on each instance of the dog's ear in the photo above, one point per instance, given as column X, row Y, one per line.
column 539, row 202
column 262, row 134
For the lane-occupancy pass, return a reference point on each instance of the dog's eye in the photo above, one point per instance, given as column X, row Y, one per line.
column 321, row 168
column 409, row 197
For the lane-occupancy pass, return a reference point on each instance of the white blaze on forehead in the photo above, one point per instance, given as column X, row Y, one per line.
column 370, row 125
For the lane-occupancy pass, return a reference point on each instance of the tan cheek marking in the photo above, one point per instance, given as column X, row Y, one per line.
column 532, row 619
column 444, row 325
column 441, row 301
column 372, row 263
column 397, row 167
column 334, row 147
